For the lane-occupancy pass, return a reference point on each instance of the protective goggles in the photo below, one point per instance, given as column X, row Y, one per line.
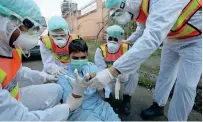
column 112, row 39
column 30, row 24
column 59, row 34
column 116, row 12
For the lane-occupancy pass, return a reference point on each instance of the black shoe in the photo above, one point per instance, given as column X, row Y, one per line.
column 153, row 111
column 115, row 104
column 126, row 105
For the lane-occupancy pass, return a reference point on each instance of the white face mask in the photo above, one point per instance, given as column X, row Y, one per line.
column 60, row 41
column 113, row 46
column 26, row 42
column 123, row 18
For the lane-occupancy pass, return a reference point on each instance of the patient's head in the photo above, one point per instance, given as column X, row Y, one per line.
column 78, row 53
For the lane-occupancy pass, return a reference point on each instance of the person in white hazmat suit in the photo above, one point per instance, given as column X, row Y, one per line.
column 178, row 21
column 21, row 27
column 106, row 55
column 54, row 46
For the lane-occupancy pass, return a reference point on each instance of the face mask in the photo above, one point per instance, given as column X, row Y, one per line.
column 78, row 64
column 60, row 41
column 123, row 18
column 113, row 46
column 26, row 42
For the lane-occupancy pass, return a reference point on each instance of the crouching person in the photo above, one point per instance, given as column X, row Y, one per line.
column 105, row 56
column 93, row 108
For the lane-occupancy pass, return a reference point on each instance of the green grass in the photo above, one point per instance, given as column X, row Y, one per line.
column 146, row 83
column 92, row 46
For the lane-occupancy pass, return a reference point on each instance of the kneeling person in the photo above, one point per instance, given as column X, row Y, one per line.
column 54, row 46
column 107, row 54
column 93, row 108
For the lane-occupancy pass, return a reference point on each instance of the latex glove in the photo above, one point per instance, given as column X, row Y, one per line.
column 60, row 71
column 119, row 79
column 51, row 78
column 74, row 103
column 79, row 84
column 125, row 41
column 101, row 79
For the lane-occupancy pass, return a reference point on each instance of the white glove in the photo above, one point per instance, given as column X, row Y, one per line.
column 125, row 41
column 101, row 79
column 74, row 103
column 51, row 78
column 119, row 79
column 60, row 71
column 79, row 84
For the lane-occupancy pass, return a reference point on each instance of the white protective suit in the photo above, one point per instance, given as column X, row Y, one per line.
column 33, row 97
column 50, row 63
column 130, row 86
column 180, row 58
column 36, row 98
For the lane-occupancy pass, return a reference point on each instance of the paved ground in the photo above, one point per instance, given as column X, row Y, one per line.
column 141, row 99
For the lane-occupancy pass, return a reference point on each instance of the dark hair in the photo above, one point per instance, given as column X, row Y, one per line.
column 78, row 45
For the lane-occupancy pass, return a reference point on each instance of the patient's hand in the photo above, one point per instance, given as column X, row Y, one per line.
column 79, row 84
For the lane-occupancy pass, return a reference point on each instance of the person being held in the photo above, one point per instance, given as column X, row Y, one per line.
column 54, row 46
column 93, row 108
column 107, row 54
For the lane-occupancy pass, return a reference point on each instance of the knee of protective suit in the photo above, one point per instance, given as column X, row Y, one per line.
column 57, row 91
column 186, row 86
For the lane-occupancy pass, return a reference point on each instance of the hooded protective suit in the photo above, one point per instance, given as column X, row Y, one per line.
column 116, row 32
column 36, row 98
column 181, row 58
column 55, row 58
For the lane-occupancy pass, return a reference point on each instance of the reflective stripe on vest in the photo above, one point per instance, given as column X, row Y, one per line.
column 181, row 29
column 60, row 54
column 75, row 36
column 8, row 71
column 111, row 58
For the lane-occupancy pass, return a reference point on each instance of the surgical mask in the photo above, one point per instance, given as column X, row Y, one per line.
column 113, row 46
column 60, row 41
column 123, row 18
column 78, row 64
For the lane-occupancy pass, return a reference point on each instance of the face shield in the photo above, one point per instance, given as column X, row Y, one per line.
column 29, row 30
column 126, row 10
column 33, row 27
column 121, row 16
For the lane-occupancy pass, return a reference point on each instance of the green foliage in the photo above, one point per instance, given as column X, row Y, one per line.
column 92, row 46
column 129, row 28
column 146, row 83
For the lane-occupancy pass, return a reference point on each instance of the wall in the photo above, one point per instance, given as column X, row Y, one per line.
column 89, row 25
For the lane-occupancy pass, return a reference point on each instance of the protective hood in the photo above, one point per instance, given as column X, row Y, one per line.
column 6, row 30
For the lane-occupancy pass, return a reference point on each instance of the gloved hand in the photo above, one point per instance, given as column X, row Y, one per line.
column 51, row 78
column 74, row 103
column 119, row 80
column 60, row 71
column 101, row 79
column 125, row 41
column 79, row 84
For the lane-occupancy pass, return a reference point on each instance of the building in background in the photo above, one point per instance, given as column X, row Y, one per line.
column 89, row 22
